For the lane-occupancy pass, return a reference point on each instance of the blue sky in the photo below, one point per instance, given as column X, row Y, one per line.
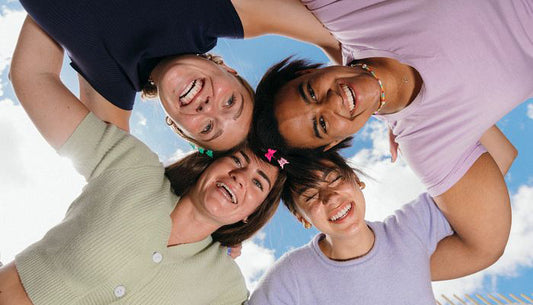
column 36, row 186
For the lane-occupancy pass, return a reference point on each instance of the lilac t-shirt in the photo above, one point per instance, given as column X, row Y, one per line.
column 475, row 58
column 395, row 271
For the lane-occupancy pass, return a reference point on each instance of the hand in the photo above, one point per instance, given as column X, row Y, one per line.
column 393, row 146
column 235, row 251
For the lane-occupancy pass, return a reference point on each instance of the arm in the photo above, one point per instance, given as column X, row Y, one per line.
column 54, row 110
column 478, row 208
column 102, row 108
column 288, row 18
column 500, row 148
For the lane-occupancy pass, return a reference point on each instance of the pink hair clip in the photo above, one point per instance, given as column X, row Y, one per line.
column 270, row 155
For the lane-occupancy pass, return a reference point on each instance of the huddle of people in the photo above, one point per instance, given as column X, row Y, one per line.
column 439, row 73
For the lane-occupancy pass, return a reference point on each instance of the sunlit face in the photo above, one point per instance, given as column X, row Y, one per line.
column 233, row 187
column 326, row 105
column 335, row 207
column 206, row 101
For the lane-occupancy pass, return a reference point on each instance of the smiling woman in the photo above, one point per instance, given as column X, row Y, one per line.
column 136, row 228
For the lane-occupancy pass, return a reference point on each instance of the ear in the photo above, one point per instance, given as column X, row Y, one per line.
column 332, row 144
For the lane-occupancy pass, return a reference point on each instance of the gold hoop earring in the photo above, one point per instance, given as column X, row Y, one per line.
column 245, row 220
column 307, row 225
column 169, row 121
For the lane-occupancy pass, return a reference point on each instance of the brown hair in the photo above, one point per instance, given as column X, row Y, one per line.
column 183, row 175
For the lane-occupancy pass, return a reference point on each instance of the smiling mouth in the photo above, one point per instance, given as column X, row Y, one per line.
column 350, row 94
column 187, row 95
column 229, row 193
column 342, row 213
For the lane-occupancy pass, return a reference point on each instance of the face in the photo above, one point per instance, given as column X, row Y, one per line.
column 233, row 187
column 335, row 207
column 206, row 101
column 324, row 106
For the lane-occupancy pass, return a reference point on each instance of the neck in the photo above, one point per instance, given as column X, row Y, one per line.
column 188, row 224
column 401, row 82
column 288, row 18
column 348, row 248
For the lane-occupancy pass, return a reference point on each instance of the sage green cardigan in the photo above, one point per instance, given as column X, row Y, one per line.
column 111, row 247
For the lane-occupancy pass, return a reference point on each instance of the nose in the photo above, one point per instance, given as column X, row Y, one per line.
column 239, row 176
column 331, row 98
column 204, row 106
column 328, row 196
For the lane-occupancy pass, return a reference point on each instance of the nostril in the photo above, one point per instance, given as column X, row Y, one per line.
column 200, row 108
column 207, row 101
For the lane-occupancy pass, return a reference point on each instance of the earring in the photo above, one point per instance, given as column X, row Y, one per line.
column 168, row 120
column 307, row 225
column 151, row 81
column 245, row 220
column 362, row 185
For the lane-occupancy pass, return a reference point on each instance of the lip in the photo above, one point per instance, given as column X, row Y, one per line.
column 340, row 208
column 190, row 91
column 221, row 189
column 346, row 100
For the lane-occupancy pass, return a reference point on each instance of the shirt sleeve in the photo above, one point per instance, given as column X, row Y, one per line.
column 425, row 220
column 96, row 147
column 278, row 286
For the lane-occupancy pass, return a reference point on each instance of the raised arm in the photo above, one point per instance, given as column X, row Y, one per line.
column 35, row 70
column 288, row 18
column 480, row 213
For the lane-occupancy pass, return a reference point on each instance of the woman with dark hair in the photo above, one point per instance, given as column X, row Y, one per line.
column 138, row 233
column 440, row 73
column 122, row 47
column 353, row 261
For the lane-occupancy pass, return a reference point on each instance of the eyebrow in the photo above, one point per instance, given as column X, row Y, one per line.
column 239, row 112
column 262, row 174
column 304, row 97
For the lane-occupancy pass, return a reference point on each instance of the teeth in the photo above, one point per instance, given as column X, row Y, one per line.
column 228, row 190
column 341, row 213
column 190, row 92
column 351, row 96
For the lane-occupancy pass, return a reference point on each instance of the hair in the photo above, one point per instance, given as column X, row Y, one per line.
column 183, row 175
column 307, row 175
column 265, row 127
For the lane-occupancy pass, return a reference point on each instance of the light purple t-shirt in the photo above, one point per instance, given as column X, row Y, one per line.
column 395, row 271
column 474, row 56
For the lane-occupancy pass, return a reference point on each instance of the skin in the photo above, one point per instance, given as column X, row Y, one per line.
column 216, row 112
column 274, row 17
column 198, row 214
column 347, row 237
column 326, row 105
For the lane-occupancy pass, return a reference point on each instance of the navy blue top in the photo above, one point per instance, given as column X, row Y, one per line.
column 115, row 44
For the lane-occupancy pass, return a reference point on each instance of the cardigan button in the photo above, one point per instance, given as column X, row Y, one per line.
column 157, row 257
column 120, row 291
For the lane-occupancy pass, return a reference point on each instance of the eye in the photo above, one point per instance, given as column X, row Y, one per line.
column 322, row 123
column 258, row 184
column 334, row 182
column 310, row 198
column 311, row 92
column 236, row 160
column 207, row 128
column 230, row 102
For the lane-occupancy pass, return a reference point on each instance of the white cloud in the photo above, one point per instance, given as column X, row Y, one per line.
column 177, row 155
column 390, row 184
column 10, row 24
column 530, row 110
column 36, row 185
column 255, row 260
column 141, row 119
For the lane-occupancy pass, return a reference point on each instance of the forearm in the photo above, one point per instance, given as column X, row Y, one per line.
column 500, row 148
column 35, row 70
column 478, row 209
